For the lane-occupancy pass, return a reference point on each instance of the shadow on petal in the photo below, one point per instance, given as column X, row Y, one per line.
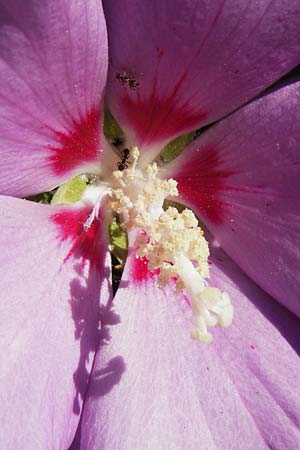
column 91, row 283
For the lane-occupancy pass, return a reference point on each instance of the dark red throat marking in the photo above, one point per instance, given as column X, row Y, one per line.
column 201, row 181
column 156, row 118
column 85, row 244
column 140, row 271
column 77, row 146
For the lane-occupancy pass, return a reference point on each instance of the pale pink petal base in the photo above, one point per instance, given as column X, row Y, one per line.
column 53, row 63
column 242, row 177
column 51, row 285
column 154, row 388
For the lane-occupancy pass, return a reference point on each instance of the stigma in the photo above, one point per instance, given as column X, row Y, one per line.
column 170, row 241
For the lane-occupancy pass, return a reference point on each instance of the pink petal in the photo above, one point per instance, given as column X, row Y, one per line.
column 53, row 62
column 52, row 275
column 242, row 177
column 154, row 388
column 195, row 61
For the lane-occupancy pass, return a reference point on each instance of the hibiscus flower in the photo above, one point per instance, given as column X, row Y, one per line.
column 78, row 367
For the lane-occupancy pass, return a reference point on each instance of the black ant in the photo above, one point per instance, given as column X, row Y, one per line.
column 133, row 84
column 123, row 78
column 123, row 163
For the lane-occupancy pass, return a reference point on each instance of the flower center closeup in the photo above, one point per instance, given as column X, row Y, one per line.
column 171, row 242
